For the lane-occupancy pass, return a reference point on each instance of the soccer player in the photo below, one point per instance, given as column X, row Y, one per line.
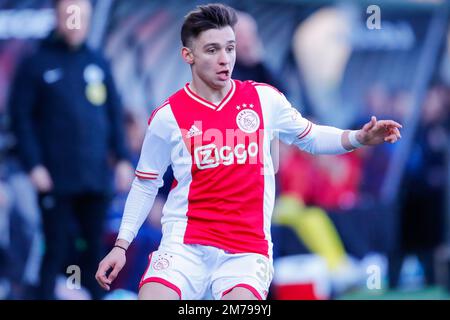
column 216, row 133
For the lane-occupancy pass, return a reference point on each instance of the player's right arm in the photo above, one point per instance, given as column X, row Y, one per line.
column 153, row 162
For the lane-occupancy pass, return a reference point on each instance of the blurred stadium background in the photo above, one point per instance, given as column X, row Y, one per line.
column 367, row 225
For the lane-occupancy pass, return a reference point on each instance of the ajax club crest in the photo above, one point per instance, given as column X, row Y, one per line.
column 162, row 262
column 248, row 120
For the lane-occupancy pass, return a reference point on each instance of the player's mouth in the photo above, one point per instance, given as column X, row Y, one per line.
column 224, row 75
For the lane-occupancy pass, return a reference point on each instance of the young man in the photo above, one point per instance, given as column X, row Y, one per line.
column 216, row 133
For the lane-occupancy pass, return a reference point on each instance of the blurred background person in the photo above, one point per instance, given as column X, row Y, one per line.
column 68, row 121
column 250, row 63
column 422, row 223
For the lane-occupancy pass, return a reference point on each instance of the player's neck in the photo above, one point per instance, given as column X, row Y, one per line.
column 208, row 93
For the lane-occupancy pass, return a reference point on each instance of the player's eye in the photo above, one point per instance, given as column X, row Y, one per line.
column 211, row 50
column 230, row 49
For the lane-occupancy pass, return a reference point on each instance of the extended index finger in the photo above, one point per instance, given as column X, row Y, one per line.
column 390, row 123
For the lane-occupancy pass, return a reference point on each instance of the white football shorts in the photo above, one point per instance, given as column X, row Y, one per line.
column 204, row 272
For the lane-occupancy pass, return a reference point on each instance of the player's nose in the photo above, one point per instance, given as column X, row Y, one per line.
column 224, row 58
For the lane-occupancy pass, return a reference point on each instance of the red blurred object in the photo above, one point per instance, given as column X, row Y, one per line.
column 330, row 182
column 298, row 291
column 301, row 277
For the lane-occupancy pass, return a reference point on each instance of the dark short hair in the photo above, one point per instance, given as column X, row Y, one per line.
column 205, row 17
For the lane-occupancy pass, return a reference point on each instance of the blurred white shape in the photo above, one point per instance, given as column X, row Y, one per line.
column 411, row 275
column 26, row 23
column 349, row 275
column 302, row 271
column 62, row 292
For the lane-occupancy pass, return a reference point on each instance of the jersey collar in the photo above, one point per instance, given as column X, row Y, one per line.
column 207, row 103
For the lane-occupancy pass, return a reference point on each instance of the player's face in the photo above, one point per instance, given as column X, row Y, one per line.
column 213, row 56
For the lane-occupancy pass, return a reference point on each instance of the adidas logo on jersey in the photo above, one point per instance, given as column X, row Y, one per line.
column 194, row 131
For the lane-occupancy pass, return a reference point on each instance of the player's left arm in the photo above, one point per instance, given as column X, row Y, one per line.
column 320, row 139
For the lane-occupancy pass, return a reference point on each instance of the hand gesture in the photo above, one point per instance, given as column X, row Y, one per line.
column 114, row 262
column 378, row 131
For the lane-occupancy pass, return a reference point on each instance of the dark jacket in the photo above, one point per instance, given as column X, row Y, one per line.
column 66, row 115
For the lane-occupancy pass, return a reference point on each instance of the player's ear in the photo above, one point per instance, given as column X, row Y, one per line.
column 187, row 55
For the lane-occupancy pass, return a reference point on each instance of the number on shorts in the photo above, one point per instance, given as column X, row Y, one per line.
column 264, row 274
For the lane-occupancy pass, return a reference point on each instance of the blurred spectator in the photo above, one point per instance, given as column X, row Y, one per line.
column 67, row 118
column 20, row 239
column 423, row 190
column 21, row 231
column 314, row 191
column 330, row 182
column 250, row 53
column 375, row 161
column 327, row 182
column 371, row 225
